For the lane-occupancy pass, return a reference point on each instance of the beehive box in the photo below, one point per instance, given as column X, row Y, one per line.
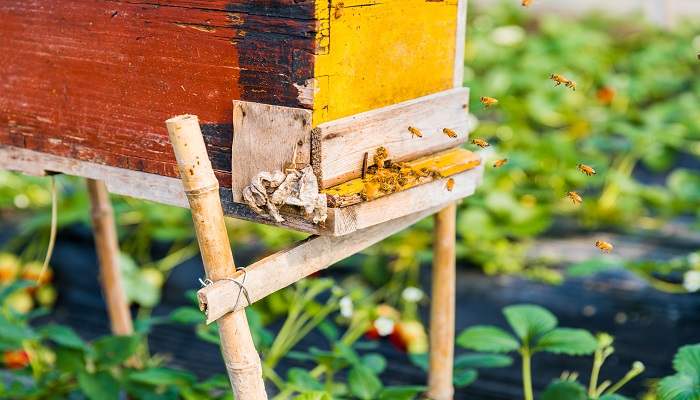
column 87, row 85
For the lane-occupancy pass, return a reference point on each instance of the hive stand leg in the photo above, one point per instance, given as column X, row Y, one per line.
column 442, row 310
column 105, row 232
column 202, row 189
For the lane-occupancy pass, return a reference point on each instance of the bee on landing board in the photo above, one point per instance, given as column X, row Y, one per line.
column 414, row 132
column 526, row 3
column 488, row 101
column 558, row 79
column 571, row 84
column 480, row 143
column 574, row 197
column 500, row 162
column 586, row 169
column 450, row 184
column 449, row 132
column 604, row 247
column 339, row 10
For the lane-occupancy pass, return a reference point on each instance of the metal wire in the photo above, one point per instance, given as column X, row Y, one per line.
column 241, row 284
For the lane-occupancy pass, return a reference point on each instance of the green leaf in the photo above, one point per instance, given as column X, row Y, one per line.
column 614, row 396
column 114, row 350
column 574, row 342
column 685, row 385
column 401, row 392
column 346, row 352
column 329, row 330
column 477, row 360
column 187, row 316
column 220, row 381
column 302, row 380
column 163, row 376
column 11, row 288
column 70, row 360
column 63, row 336
column 488, row 338
column 564, row 390
column 14, row 332
column 314, row 396
column 375, row 362
column 364, row 383
column 99, row 386
column 528, row 320
column 464, row 377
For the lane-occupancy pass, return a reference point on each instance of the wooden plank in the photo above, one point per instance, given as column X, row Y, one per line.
column 417, row 172
column 339, row 146
column 397, row 50
column 71, row 68
column 294, row 263
column 265, row 139
column 362, row 215
column 458, row 75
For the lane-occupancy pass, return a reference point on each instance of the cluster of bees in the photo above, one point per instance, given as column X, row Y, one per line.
column 589, row 171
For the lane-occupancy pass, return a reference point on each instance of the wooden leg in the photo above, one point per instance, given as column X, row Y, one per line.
column 107, row 245
column 202, row 189
column 442, row 310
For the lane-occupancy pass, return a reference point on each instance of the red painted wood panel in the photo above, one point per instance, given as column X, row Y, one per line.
column 95, row 80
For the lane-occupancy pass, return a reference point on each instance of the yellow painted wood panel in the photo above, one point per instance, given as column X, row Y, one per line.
column 380, row 53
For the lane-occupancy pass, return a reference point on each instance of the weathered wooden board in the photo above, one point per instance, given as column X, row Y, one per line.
column 379, row 53
column 339, row 146
column 93, row 80
column 266, row 138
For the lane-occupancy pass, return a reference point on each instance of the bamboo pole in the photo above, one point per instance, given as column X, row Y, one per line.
column 442, row 310
column 107, row 245
column 201, row 186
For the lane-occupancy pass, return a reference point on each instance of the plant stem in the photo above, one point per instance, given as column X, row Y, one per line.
column 270, row 374
column 527, row 374
column 597, row 364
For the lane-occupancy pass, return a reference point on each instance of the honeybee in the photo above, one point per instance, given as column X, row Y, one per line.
column 488, row 101
column 586, row 169
column 500, row 162
column 526, row 3
column 571, row 84
column 574, row 197
column 450, row 184
column 380, row 156
column 370, row 192
column 558, row 79
column 449, row 132
column 480, row 143
column 339, row 10
column 414, row 132
column 604, row 247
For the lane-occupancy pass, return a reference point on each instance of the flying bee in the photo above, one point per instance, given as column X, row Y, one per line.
column 480, row 143
column 571, row 84
column 574, row 197
column 526, row 3
column 488, row 101
column 414, row 132
column 449, row 132
column 558, row 79
column 604, row 247
column 586, row 169
column 450, row 184
column 500, row 162
column 339, row 10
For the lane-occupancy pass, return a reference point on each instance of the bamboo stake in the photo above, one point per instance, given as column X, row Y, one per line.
column 442, row 310
column 201, row 186
column 107, row 246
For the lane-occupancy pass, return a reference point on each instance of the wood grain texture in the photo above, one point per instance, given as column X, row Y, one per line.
column 339, row 146
column 266, row 138
column 458, row 76
column 294, row 263
column 378, row 53
column 71, row 68
column 201, row 186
